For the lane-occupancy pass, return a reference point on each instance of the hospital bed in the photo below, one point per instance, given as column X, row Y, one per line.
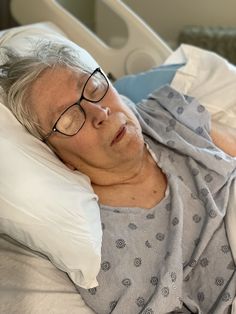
column 38, row 259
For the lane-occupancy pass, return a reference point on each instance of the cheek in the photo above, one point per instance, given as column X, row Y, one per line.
column 136, row 136
column 85, row 139
column 84, row 145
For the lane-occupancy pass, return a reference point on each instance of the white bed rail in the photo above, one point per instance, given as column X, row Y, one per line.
column 142, row 50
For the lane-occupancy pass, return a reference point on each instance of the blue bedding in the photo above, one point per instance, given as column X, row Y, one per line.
column 137, row 86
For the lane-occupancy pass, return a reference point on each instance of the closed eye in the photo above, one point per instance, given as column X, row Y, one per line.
column 92, row 90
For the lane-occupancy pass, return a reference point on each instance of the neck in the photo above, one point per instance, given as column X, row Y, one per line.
column 132, row 173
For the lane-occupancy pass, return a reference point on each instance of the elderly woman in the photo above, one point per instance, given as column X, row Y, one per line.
column 161, row 170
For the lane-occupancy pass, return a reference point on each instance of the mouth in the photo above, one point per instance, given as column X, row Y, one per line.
column 119, row 135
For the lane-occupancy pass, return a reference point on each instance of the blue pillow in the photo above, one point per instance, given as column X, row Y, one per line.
column 137, row 86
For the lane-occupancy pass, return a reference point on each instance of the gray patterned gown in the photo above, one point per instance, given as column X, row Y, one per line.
column 175, row 257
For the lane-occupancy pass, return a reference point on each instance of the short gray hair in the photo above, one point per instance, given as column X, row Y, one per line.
column 18, row 72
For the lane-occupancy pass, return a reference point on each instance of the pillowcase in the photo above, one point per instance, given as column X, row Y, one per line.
column 138, row 86
column 208, row 77
column 44, row 205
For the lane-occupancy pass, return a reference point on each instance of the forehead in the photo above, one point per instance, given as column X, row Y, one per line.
column 54, row 90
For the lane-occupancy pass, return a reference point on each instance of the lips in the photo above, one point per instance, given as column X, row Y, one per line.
column 119, row 135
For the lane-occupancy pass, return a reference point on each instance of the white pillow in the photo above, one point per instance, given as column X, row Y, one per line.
column 43, row 204
column 208, row 77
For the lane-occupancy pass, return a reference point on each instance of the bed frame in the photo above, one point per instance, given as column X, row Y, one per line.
column 134, row 56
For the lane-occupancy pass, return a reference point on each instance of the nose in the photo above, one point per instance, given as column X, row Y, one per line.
column 97, row 113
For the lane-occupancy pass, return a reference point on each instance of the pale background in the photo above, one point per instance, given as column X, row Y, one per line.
column 166, row 17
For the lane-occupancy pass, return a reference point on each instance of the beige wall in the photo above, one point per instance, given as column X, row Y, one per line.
column 166, row 17
column 169, row 17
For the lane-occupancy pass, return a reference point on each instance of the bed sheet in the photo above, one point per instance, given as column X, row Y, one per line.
column 30, row 284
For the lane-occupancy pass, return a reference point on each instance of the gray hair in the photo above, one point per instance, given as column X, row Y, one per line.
column 18, row 72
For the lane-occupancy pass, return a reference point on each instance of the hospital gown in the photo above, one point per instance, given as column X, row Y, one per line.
column 174, row 257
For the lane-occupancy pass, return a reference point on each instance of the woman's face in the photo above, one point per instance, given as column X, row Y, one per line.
column 111, row 135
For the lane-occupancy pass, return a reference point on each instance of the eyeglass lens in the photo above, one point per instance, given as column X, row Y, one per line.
column 71, row 121
column 95, row 87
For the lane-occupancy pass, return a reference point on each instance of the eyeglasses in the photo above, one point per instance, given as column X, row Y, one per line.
column 73, row 118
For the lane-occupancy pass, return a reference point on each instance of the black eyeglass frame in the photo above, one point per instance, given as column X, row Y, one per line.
column 82, row 97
